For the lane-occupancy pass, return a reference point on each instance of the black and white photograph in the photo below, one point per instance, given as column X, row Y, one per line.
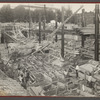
column 50, row 49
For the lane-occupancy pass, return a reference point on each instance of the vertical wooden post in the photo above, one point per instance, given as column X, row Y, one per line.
column 82, row 40
column 83, row 25
column 44, row 22
column 83, row 18
column 62, row 35
column 29, row 22
column 56, row 38
column 44, row 16
column 97, row 32
column 39, row 27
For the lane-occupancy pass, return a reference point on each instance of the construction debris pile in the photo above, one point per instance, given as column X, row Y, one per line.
column 10, row 87
column 42, row 71
column 36, row 66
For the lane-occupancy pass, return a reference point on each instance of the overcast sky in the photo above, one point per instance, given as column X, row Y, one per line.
column 74, row 6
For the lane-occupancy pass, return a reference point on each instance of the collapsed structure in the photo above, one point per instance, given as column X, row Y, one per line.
column 38, row 66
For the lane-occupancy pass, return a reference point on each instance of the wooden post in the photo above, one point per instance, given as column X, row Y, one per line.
column 82, row 40
column 97, row 32
column 39, row 27
column 44, row 16
column 44, row 21
column 56, row 38
column 83, row 25
column 62, row 35
column 83, row 18
column 29, row 22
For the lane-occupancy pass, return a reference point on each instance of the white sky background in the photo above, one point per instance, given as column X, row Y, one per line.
column 74, row 6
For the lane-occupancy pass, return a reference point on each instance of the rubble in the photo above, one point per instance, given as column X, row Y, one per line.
column 10, row 87
column 46, row 74
column 37, row 69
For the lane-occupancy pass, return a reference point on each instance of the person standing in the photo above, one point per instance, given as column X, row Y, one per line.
column 90, row 80
column 65, row 73
column 77, row 71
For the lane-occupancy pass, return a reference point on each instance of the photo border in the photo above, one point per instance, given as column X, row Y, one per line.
column 48, row 97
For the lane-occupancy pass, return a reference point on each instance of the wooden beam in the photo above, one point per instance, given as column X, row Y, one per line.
column 29, row 22
column 83, row 25
column 62, row 38
column 83, row 18
column 39, row 27
column 56, row 38
column 97, row 32
column 44, row 22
